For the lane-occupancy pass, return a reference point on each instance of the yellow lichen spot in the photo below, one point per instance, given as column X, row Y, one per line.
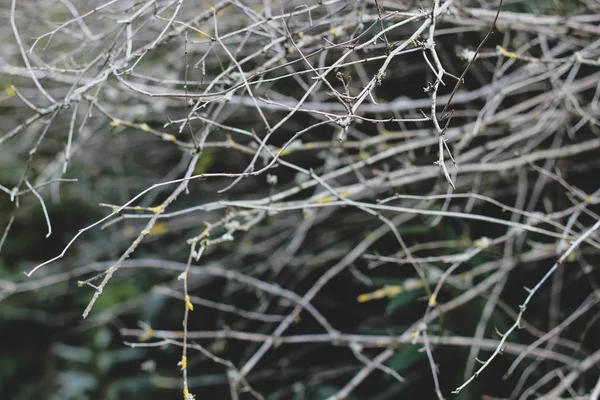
column 372, row 237
column 145, row 232
column 10, row 91
column 300, row 34
column 392, row 290
column 144, row 127
column 332, row 31
column 363, row 155
column 188, row 304
column 571, row 257
column 159, row 228
column 363, row 298
column 183, row 362
column 432, row 300
column 412, row 284
column 115, row 123
column 147, row 334
column 346, row 193
column 325, row 199
column 505, row 52
column 482, row 243
column 137, row 208
column 114, row 208
column 378, row 294
column 168, row 137
column 156, row 210
column 588, row 198
column 230, row 141
column 309, row 145
column 413, row 335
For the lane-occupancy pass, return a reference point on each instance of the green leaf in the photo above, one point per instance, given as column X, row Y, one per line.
column 378, row 281
column 324, row 392
column 405, row 359
column 401, row 300
column 414, row 229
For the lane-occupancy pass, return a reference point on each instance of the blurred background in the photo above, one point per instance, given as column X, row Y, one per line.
column 300, row 195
